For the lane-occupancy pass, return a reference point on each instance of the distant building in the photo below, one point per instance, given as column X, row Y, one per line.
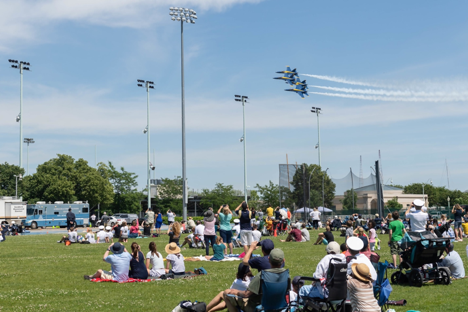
column 367, row 197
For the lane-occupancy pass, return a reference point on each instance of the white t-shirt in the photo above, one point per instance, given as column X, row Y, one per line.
column 256, row 235
column 240, row 284
column 72, row 237
column 101, row 236
column 110, row 235
column 315, row 215
column 236, row 228
column 170, row 217
column 362, row 258
column 177, row 262
column 90, row 238
column 200, row 229
column 156, row 262
column 194, row 245
column 418, row 220
column 124, row 231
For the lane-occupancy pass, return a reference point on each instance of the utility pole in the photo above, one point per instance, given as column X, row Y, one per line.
column 242, row 98
column 28, row 141
column 318, row 111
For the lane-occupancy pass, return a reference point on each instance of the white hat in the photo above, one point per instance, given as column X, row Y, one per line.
column 108, row 228
column 418, row 202
column 236, row 221
column 101, row 227
column 13, row 222
column 355, row 243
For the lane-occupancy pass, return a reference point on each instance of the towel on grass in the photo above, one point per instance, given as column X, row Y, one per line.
column 130, row 280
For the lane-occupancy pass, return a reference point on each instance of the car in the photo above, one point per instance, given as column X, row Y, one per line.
column 128, row 217
column 112, row 221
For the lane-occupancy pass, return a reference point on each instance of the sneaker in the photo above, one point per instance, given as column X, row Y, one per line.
column 59, row 242
column 391, row 266
column 87, row 277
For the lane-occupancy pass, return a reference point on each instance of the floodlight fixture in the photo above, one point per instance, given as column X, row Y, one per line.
column 18, row 118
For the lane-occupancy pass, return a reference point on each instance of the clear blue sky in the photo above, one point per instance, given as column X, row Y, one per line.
column 87, row 55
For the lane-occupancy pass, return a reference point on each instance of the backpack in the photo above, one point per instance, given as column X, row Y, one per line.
column 196, row 306
column 200, row 271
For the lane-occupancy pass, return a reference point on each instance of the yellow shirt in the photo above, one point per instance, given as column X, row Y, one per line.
column 269, row 212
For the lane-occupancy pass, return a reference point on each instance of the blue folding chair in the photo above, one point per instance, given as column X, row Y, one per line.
column 275, row 289
column 382, row 287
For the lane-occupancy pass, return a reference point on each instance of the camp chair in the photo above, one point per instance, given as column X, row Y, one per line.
column 336, row 284
column 382, row 287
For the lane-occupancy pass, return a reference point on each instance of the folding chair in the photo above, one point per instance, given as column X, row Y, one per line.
column 382, row 287
column 275, row 289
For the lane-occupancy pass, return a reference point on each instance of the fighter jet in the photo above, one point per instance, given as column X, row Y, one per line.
column 298, row 82
column 289, row 71
column 288, row 75
column 300, row 90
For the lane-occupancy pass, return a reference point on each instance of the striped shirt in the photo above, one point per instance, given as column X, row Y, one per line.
column 361, row 296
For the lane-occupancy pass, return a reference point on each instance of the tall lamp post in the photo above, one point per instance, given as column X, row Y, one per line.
column 423, row 184
column 148, row 85
column 323, row 188
column 243, row 98
column 20, row 177
column 318, row 111
column 448, row 200
column 310, row 175
column 189, row 16
column 28, row 141
column 22, row 66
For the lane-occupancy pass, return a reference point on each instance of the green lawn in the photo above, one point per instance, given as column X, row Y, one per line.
column 37, row 274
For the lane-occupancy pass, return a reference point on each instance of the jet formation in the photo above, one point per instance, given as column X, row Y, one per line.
column 291, row 77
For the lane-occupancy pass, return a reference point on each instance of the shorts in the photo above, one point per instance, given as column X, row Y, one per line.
column 107, row 275
column 170, row 222
column 150, row 225
column 246, row 237
column 158, row 224
column 226, row 236
column 324, row 241
column 457, row 225
column 241, row 303
column 394, row 248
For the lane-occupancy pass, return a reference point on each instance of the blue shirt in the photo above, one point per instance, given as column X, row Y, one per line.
column 261, row 263
column 245, row 220
column 119, row 266
column 219, row 251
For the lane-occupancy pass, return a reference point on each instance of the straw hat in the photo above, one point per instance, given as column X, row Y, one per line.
column 361, row 272
column 172, row 248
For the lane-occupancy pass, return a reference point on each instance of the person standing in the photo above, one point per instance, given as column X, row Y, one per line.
column 418, row 218
column 457, row 226
column 93, row 220
column 71, row 219
column 159, row 221
column 225, row 231
column 245, row 225
column 209, row 233
column 315, row 218
column 150, row 215
column 104, row 219
column 170, row 217
column 269, row 211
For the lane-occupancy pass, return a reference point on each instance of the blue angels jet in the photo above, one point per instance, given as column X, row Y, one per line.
column 288, row 76
column 300, row 90
column 298, row 82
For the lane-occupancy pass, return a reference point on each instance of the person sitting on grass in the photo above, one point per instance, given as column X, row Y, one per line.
column 134, row 229
column 90, row 236
column 101, row 235
column 218, row 250
column 349, row 229
column 360, row 289
column 256, row 234
column 336, row 223
column 190, row 240
column 174, row 233
column 119, row 261
column 71, row 237
column 454, row 262
column 294, row 235
column 249, row 299
column 137, row 264
column 305, row 233
column 359, row 231
column 174, row 260
column 325, row 237
column 242, row 281
column 110, row 235
column 155, row 259
column 316, row 289
column 116, row 229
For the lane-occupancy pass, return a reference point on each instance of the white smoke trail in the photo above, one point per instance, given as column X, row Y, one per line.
column 344, row 80
column 409, row 93
column 393, row 98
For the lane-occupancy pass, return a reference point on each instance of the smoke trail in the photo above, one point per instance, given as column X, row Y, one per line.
column 344, row 80
column 408, row 93
column 393, row 98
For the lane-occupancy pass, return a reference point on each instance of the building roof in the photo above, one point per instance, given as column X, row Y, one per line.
column 372, row 187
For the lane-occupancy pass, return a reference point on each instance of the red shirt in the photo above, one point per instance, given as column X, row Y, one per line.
column 297, row 235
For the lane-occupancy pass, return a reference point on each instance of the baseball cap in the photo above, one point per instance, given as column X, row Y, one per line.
column 276, row 256
column 267, row 245
column 355, row 243
column 333, row 247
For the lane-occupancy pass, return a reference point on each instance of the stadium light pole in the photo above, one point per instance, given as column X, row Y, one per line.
column 317, row 110
column 323, row 188
column 423, row 184
column 20, row 177
column 189, row 16
column 28, row 141
column 22, row 66
column 309, row 183
column 243, row 98
column 148, row 85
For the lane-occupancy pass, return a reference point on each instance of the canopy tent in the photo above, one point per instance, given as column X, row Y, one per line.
column 306, row 209
column 324, row 209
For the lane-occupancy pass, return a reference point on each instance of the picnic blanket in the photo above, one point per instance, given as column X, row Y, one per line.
column 130, row 280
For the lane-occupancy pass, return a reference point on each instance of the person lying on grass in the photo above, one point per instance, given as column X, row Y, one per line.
column 249, row 299
column 244, row 276
column 155, row 259
column 119, row 261
column 137, row 264
column 175, row 261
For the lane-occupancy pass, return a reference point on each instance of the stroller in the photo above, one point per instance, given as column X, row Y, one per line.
column 419, row 250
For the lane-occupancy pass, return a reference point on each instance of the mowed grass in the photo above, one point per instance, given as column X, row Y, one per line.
column 37, row 274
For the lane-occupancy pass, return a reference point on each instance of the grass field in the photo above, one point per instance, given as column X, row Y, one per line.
column 37, row 274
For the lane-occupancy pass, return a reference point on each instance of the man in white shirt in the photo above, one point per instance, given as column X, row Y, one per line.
column 101, row 235
column 199, row 229
column 72, row 235
column 355, row 245
column 418, row 218
column 256, row 234
column 236, row 228
column 316, row 290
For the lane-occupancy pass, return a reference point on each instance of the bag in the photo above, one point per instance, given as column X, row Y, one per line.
column 85, row 242
column 200, row 271
column 167, row 276
column 187, row 305
column 155, row 235
column 67, row 243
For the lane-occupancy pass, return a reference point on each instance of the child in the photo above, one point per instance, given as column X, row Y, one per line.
column 244, row 276
column 218, row 249
column 372, row 235
column 175, row 260
column 396, row 231
column 360, row 290
column 124, row 232
column 90, row 236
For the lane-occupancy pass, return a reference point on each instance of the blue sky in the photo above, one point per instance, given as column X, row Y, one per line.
column 87, row 55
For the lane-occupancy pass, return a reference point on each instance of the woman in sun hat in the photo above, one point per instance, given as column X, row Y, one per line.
column 360, row 289
column 209, row 232
column 175, row 260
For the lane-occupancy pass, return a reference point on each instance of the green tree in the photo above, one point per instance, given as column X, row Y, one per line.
column 393, row 203
column 429, row 190
column 171, row 189
column 219, row 195
column 8, row 180
column 347, row 201
column 126, row 197
column 254, row 200
column 301, row 186
column 269, row 194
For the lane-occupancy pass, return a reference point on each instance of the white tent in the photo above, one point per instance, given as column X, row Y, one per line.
column 306, row 209
column 323, row 209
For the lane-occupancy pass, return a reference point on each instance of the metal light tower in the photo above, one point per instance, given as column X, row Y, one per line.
column 189, row 16
column 243, row 98
column 323, row 188
column 317, row 110
column 28, row 141
column 22, row 66
column 20, row 177
column 148, row 85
